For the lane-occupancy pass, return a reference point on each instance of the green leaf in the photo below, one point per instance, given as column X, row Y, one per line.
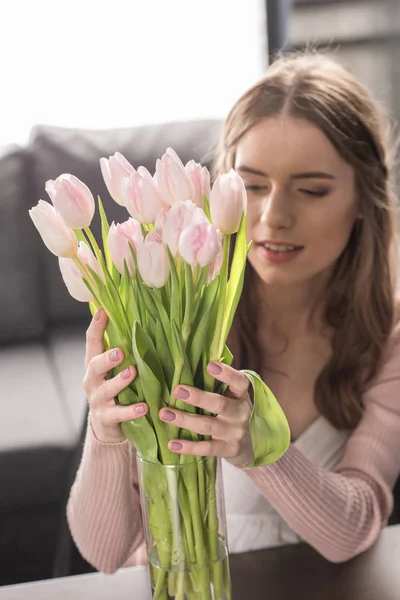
column 154, row 389
column 207, row 207
column 236, row 278
column 162, row 349
column 201, row 325
column 180, row 358
column 104, row 234
column 269, row 429
column 175, row 298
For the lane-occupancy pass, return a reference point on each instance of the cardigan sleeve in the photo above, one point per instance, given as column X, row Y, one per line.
column 341, row 512
column 103, row 509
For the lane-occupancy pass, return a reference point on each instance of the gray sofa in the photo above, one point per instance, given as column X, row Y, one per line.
column 42, row 331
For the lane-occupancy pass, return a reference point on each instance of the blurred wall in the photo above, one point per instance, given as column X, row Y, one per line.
column 365, row 35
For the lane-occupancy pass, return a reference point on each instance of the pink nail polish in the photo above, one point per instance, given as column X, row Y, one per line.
column 126, row 374
column 168, row 415
column 182, row 393
column 214, row 369
column 175, row 446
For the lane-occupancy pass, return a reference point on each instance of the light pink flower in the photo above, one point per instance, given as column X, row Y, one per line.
column 200, row 243
column 153, row 262
column 60, row 239
column 115, row 169
column 176, row 219
column 120, row 238
column 172, row 180
column 171, row 152
column 72, row 199
column 142, row 197
column 73, row 277
column 200, row 178
column 228, row 202
column 215, row 266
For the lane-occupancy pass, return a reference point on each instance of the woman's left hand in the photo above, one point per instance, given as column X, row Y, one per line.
column 229, row 429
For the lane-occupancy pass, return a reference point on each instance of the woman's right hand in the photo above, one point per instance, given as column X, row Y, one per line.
column 105, row 415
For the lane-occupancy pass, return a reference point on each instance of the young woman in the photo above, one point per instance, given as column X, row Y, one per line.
column 317, row 320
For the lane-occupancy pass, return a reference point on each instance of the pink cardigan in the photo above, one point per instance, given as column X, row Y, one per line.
column 340, row 512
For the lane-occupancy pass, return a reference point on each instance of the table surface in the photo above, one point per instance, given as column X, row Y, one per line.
column 290, row 572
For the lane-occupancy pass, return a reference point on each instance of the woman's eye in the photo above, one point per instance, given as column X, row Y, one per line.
column 254, row 188
column 315, row 193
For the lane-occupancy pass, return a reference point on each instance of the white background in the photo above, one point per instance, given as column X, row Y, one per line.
column 97, row 64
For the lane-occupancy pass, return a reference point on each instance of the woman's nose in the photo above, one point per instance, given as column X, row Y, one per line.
column 277, row 211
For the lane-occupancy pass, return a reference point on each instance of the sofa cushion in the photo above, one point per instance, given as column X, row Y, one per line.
column 33, row 409
column 67, row 351
column 58, row 150
column 21, row 295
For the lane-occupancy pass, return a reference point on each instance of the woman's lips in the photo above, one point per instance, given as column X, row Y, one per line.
column 279, row 257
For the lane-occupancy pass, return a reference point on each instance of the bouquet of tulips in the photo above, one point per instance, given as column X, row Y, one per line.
column 169, row 278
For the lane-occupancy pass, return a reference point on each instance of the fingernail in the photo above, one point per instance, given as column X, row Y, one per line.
column 139, row 410
column 126, row 374
column 175, row 446
column 168, row 415
column 214, row 369
column 114, row 355
column 182, row 393
column 97, row 315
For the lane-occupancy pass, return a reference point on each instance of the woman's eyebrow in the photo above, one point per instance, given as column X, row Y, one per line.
column 313, row 175
column 305, row 175
column 247, row 169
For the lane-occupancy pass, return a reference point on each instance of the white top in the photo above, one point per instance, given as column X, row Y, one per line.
column 252, row 523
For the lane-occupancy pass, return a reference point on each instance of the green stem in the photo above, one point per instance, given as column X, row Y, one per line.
column 187, row 321
column 216, row 350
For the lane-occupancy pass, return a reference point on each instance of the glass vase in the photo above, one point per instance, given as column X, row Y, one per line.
column 185, row 527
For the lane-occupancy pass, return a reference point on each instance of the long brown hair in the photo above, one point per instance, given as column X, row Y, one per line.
column 360, row 303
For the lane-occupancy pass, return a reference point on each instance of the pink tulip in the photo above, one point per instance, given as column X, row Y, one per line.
column 215, row 266
column 142, row 197
column 228, row 202
column 72, row 199
column 60, row 239
column 200, row 178
column 120, row 238
column 153, row 262
column 171, row 152
column 172, row 179
column 176, row 219
column 154, row 236
column 200, row 243
column 144, row 172
column 115, row 169
column 73, row 277
column 160, row 221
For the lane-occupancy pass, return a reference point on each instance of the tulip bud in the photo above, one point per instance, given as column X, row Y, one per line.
column 72, row 199
column 59, row 239
column 142, row 197
column 115, row 169
column 200, row 243
column 228, row 201
column 120, row 238
column 153, row 263
column 200, row 178
column 172, row 180
column 73, row 277
column 176, row 219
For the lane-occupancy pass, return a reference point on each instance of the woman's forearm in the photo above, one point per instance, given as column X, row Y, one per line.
column 103, row 510
column 339, row 514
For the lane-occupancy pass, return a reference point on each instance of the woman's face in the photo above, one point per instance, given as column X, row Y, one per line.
column 301, row 199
